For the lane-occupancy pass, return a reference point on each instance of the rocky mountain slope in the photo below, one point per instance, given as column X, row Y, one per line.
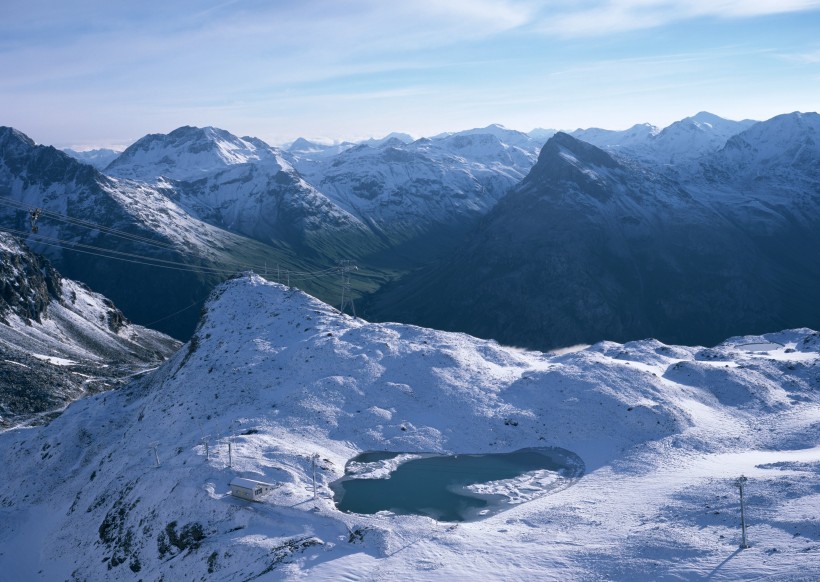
column 590, row 246
column 382, row 201
column 127, row 239
column 59, row 340
column 134, row 483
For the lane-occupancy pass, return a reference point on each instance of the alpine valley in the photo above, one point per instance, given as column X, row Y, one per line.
column 680, row 264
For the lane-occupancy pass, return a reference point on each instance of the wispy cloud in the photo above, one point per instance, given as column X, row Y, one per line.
column 601, row 17
column 349, row 66
column 809, row 57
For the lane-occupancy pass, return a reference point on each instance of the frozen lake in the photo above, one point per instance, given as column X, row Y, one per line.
column 453, row 487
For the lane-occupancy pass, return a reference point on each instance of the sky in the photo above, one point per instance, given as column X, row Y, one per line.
column 94, row 73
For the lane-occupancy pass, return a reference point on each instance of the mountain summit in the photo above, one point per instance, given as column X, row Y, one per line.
column 189, row 153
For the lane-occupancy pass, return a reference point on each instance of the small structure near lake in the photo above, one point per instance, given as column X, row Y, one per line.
column 250, row 489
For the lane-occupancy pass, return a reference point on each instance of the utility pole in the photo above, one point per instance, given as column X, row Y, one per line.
column 154, row 446
column 346, row 267
column 207, row 450
column 739, row 483
column 230, row 457
column 313, row 465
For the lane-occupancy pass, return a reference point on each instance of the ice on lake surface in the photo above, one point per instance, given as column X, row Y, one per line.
column 453, row 487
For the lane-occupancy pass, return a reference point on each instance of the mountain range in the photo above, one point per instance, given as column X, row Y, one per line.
column 703, row 231
column 681, row 142
column 594, row 245
column 704, row 225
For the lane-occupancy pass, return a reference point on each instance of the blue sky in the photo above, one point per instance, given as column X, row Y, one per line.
column 90, row 73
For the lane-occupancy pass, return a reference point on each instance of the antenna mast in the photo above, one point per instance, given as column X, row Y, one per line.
column 347, row 299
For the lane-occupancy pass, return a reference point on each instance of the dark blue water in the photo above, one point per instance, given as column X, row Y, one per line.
column 436, row 485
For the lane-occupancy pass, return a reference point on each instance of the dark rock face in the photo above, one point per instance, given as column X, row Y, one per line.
column 27, row 284
column 76, row 193
column 59, row 340
column 589, row 247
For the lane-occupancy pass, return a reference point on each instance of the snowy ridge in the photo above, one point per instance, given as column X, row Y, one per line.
column 681, row 142
column 401, row 187
column 778, row 147
column 663, row 431
column 239, row 184
column 187, row 153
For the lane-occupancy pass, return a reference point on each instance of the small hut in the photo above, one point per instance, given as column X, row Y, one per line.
column 249, row 489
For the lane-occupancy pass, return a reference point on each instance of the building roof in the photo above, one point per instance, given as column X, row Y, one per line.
column 243, row 483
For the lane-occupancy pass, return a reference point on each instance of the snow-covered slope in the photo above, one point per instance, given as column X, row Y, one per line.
column 663, row 432
column 59, row 340
column 189, row 153
column 427, row 190
column 692, row 138
column 774, row 150
column 616, row 140
column 242, row 185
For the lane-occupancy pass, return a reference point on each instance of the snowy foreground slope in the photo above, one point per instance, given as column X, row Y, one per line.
column 663, row 432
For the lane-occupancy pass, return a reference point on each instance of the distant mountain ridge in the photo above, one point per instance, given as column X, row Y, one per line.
column 591, row 246
column 683, row 141
column 394, row 205
column 99, row 158
column 241, row 185
column 367, row 199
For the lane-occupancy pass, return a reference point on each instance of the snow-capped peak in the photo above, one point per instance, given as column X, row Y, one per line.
column 189, row 153
column 781, row 143
column 392, row 137
column 683, row 141
column 508, row 136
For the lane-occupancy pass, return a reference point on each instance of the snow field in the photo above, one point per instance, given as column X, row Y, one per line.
column 663, row 431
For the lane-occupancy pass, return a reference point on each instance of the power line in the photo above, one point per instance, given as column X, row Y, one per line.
column 153, row 323
column 120, row 255
column 36, row 213
column 84, row 223
column 104, row 229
